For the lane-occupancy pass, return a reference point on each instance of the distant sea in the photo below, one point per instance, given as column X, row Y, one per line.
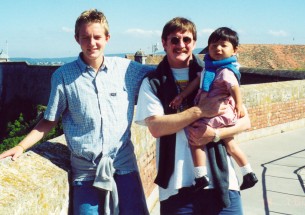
column 52, row 61
column 63, row 60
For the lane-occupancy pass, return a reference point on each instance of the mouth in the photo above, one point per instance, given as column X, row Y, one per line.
column 91, row 50
column 217, row 55
column 180, row 51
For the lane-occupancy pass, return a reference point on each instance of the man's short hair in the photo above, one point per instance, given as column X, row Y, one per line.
column 179, row 24
column 91, row 16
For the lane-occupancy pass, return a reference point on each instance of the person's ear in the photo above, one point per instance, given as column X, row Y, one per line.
column 76, row 38
column 108, row 37
column 164, row 44
column 235, row 50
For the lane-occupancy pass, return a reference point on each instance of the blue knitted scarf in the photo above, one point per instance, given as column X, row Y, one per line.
column 212, row 65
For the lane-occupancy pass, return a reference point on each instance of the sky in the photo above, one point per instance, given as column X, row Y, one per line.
column 45, row 28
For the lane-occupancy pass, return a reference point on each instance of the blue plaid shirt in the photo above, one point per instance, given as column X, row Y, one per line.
column 96, row 108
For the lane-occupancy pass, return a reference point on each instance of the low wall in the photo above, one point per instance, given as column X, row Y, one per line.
column 274, row 107
column 38, row 181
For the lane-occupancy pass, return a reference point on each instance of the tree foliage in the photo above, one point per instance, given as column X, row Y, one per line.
column 19, row 128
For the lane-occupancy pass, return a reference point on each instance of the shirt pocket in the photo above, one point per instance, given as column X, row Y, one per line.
column 116, row 114
column 118, row 101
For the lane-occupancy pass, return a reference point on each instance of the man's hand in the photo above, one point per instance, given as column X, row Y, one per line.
column 212, row 106
column 199, row 133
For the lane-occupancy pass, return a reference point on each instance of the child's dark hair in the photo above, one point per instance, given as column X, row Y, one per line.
column 225, row 34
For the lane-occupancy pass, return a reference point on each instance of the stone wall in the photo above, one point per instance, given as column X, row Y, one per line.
column 38, row 182
column 22, row 86
column 29, row 82
column 274, row 107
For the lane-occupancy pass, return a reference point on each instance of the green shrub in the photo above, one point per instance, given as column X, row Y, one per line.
column 19, row 128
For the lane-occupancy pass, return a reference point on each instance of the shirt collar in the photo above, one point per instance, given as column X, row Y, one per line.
column 82, row 65
column 85, row 67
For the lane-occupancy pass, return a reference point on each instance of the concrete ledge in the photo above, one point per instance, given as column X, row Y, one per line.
column 34, row 184
column 263, row 132
column 153, row 198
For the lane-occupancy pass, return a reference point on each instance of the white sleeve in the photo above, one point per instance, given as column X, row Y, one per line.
column 148, row 104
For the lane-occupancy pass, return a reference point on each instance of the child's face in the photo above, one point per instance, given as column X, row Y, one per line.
column 221, row 49
column 92, row 40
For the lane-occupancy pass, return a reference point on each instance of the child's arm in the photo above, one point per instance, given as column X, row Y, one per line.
column 177, row 101
column 236, row 94
column 191, row 87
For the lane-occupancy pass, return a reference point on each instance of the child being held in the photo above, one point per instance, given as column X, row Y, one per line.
column 220, row 77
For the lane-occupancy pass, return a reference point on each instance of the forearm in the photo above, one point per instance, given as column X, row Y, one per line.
column 170, row 124
column 40, row 130
column 236, row 94
column 201, row 134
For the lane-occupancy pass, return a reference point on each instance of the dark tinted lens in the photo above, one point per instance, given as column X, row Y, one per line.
column 175, row 40
column 187, row 40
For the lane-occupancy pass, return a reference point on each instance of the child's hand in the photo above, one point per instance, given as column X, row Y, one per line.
column 240, row 111
column 175, row 104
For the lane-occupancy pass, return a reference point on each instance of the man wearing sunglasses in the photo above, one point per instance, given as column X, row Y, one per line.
column 174, row 161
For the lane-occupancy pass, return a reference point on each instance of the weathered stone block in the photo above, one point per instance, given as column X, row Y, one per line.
column 34, row 184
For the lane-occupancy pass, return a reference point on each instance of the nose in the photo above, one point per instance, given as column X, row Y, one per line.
column 181, row 43
column 218, row 47
column 91, row 41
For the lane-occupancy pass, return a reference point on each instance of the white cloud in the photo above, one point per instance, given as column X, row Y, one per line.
column 66, row 29
column 205, row 31
column 279, row 33
column 141, row 32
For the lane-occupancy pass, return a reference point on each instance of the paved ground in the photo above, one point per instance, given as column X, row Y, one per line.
column 279, row 163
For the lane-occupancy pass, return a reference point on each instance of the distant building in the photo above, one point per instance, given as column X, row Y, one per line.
column 140, row 57
column 3, row 57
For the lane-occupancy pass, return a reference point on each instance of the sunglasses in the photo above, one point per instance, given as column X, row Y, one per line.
column 176, row 40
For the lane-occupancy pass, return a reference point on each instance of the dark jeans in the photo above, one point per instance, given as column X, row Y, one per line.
column 200, row 203
column 90, row 200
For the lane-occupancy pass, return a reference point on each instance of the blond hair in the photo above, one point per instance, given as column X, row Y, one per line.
column 91, row 16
